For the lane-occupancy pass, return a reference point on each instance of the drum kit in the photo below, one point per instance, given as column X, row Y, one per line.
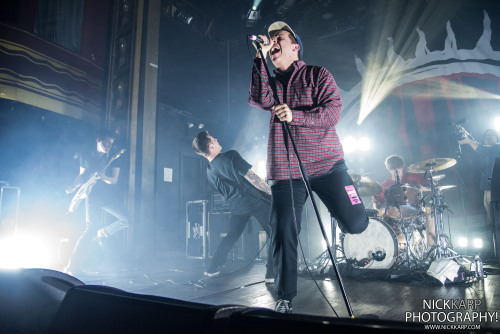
column 397, row 239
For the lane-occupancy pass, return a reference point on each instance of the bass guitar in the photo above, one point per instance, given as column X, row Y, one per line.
column 86, row 188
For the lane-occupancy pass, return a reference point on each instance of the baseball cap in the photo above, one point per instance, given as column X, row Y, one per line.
column 280, row 25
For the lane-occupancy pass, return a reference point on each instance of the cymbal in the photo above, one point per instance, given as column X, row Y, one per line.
column 438, row 188
column 434, row 164
column 365, row 185
column 438, row 177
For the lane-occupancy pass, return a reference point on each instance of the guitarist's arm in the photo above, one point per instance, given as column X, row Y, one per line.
column 80, row 179
column 469, row 141
column 257, row 182
column 115, row 172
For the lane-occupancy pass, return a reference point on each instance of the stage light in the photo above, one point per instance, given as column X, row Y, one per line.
column 252, row 18
column 364, row 144
column 201, row 126
column 462, row 242
column 349, row 144
column 477, row 243
column 253, row 14
column 23, row 252
column 352, row 144
column 496, row 124
column 190, row 125
column 184, row 16
column 261, row 169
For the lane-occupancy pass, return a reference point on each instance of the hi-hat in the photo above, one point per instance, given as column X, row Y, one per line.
column 365, row 185
column 438, row 188
column 435, row 164
column 438, row 177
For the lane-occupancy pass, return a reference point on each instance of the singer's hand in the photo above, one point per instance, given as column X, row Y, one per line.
column 283, row 112
column 265, row 47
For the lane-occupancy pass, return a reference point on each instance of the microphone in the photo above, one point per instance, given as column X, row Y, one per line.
column 397, row 177
column 257, row 39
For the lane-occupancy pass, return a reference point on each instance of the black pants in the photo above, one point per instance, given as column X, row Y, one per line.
column 236, row 226
column 336, row 191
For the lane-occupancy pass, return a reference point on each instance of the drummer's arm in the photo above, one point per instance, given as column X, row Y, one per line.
column 378, row 201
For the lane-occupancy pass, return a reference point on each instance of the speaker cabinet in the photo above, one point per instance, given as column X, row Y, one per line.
column 259, row 320
column 29, row 298
column 196, row 227
column 101, row 309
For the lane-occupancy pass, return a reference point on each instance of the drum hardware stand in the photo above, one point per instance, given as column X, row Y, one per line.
column 287, row 133
column 412, row 255
column 437, row 210
column 406, row 227
column 335, row 246
column 406, row 232
column 441, row 245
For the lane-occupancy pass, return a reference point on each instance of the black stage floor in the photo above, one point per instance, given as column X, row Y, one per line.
column 411, row 296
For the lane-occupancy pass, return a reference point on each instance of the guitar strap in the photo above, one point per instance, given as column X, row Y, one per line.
column 252, row 191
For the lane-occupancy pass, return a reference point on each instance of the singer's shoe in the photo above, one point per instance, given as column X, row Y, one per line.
column 283, row 306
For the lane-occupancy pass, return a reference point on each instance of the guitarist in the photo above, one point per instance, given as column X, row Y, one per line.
column 487, row 154
column 247, row 194
column 95, row 166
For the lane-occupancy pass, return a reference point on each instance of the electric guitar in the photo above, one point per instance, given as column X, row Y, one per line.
column 461, row 133
column 86, row 188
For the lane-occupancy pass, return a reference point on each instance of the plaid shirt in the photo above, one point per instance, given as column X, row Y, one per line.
column 314, row 99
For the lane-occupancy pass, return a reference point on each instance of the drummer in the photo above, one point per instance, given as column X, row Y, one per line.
column 395, row 165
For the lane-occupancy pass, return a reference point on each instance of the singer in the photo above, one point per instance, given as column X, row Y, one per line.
column 310, row 103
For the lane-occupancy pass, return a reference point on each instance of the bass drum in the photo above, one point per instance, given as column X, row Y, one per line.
column 380, row 235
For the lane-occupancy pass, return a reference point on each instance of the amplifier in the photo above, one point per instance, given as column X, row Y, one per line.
column 495, row 182
column 246, row 247
column 196, row 227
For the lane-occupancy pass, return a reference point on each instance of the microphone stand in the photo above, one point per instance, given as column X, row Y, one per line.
column 286, row 129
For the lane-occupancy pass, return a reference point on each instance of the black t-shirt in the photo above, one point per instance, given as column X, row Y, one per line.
column 233, row 167
column 93, row 162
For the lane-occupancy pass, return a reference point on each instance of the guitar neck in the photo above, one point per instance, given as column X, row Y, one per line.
column 112, row 159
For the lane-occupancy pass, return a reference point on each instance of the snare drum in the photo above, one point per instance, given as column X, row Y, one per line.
column 402, row 201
